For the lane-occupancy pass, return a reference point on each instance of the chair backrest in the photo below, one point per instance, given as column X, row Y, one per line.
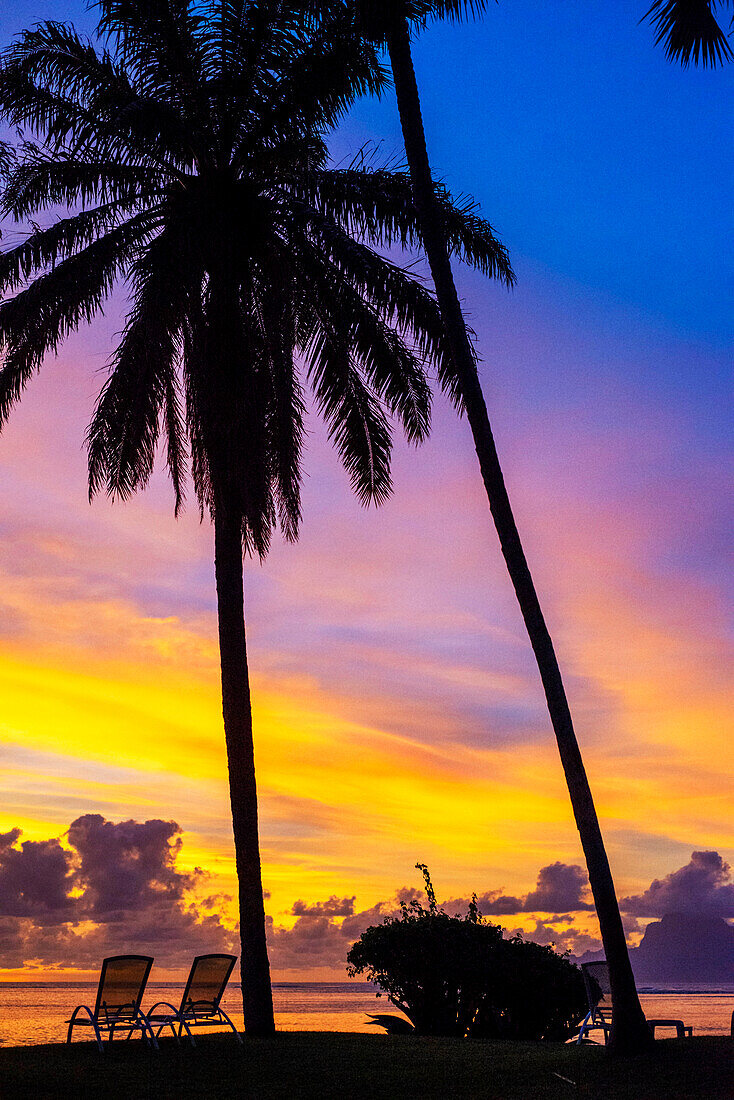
column 122, row 984
column 207, row 981
column 598, row 986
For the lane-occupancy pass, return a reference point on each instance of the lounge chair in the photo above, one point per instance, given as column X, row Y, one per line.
column 599, row 997
column 200, row 1004
column 120, row 991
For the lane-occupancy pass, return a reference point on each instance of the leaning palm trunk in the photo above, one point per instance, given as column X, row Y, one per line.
column 629, row 1030
column 257, row 998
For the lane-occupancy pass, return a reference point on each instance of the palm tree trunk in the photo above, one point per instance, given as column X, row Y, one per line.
column 629, row 1029
column 257, row 997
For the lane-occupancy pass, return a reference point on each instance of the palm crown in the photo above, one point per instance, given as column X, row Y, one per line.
column 191, row 170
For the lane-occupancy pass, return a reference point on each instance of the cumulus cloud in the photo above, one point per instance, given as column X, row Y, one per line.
column 571, row 939
column 560, row 888
column 493, row 903
column 127, row 866
column 704, row 885
column 317, row 940
column 115, row 888
column 35, row 879
column 332, row 907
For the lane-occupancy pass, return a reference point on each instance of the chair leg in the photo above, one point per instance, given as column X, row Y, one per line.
column 72, row 1021
column 237, row 1035
column 183, row 1026
column 584, row 1027
column 146, row 1030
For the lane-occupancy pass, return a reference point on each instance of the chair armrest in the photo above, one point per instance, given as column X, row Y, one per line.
column 163, row 1004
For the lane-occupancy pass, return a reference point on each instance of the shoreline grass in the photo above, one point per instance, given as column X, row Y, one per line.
column 349, row 1065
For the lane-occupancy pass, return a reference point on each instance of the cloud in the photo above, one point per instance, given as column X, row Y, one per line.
column 333, row 907
column 109, row 887
column 492, row 903
column 563, row 939
column 35, row 880
column 703, row 886
column 116, row 888
column 127, row 866
column 317, row 940
column 560, row 888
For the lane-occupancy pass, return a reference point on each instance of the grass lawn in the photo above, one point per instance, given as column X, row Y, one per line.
column 324, row 1065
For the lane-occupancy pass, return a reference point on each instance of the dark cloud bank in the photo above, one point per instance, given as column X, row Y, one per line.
column 115, row 887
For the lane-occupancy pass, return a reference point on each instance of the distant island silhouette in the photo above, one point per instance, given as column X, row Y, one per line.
column 682, row 949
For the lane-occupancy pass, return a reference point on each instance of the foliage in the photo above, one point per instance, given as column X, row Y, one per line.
column 534, row 993
column 186, row 148
column 457, row 975
column 689, row 30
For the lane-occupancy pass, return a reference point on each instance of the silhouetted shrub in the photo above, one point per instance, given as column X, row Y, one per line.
column 533, row 993
column 456, row 975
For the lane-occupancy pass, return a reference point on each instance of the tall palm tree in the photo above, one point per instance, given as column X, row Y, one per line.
column 388, row 23
column 187, row 152
column 689, row 30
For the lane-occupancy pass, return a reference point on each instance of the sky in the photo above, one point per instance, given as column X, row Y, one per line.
column 398, row 713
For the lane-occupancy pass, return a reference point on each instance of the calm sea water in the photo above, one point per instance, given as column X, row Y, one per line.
column 34, row 1012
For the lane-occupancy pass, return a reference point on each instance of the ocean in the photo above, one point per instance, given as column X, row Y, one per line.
column 34, row 1012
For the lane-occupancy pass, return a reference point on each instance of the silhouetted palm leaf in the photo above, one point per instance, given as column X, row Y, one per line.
column 690, row 31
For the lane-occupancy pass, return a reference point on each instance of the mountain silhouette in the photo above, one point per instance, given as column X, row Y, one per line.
column 682, row 949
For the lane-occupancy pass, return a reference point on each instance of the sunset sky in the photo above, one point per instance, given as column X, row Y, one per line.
column 398, row 711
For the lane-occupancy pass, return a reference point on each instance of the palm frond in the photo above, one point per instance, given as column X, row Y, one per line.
column 38, row 318
column 389, row 364
column 228, row 395
column 45, row 248
column 375, row 18
column 142, row 389
column 175, row 427
column 397, row 295
column 54, row 81
column 39, row 180
column 160, row 41
column 379, row 205
column 315, row 87
column 690, row 32
column 356, row 423
column 286, row 417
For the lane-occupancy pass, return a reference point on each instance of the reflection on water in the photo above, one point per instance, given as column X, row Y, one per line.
column 35, row 1012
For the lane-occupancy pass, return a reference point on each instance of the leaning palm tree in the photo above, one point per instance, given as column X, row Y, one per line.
column 689, row 30
column 388, row 23
column 186, row 151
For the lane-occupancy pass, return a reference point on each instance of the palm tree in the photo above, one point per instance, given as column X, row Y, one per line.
column 689, row 29
column 188, row 154
column 388, row 23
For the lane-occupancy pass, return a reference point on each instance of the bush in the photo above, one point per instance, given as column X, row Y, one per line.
column 533, row 993
column 456, row 975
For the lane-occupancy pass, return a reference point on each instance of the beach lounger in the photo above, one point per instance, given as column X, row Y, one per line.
column 599, row 997
column 200, row 1005
column 120, row 991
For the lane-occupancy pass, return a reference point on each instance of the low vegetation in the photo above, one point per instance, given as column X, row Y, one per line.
column 458, row 976
column 357, row 1067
